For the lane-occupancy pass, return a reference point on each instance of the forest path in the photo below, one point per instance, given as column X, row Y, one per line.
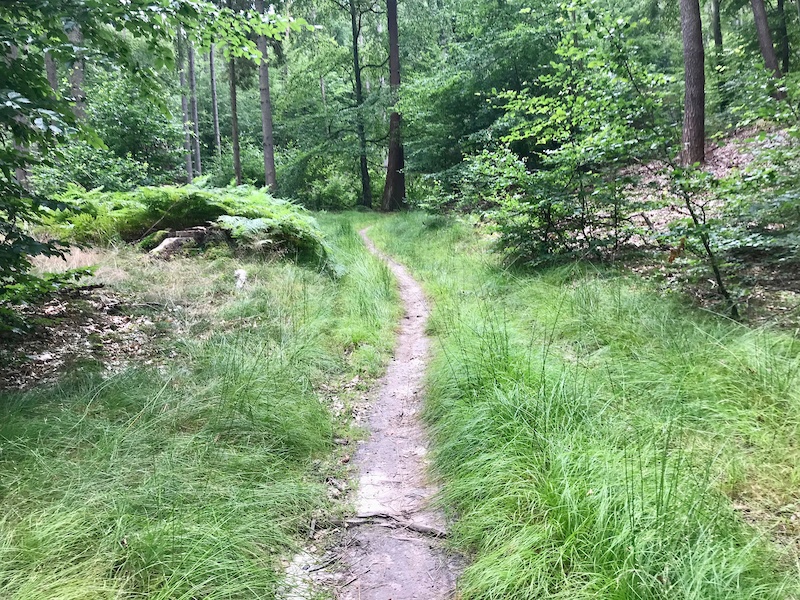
column 394, row 548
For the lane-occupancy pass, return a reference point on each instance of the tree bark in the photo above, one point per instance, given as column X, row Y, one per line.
column 187, row 139
column 694, row 77
column 268, row 141
column 237, row 157
column 214, row 101
column 394, row 192
column 77, row 74
column 783, row 36
column 366, row 186
column 52, row 70
column 765, row 39
column 193, row 105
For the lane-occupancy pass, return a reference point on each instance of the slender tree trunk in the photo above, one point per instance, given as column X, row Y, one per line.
column 695, row 82
column 20, row 172
column 366, row 186
column 394, row 192
column 193, row 106
column 783, row 36
column 267, row 139
column 765, row 42
column 52, row 70
column 237, row 157
column 77, row 74
column 214, row 101
column 187, row 139
column 719, row 61
column 716, row 28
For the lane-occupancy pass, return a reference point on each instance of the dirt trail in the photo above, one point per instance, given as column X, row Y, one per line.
column 394, row 549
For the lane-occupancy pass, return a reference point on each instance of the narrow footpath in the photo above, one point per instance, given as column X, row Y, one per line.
column 395, row 548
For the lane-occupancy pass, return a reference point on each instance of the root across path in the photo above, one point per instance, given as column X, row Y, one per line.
column 394, row 547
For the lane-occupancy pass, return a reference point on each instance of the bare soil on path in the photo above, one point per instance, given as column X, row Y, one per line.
column 394, row 548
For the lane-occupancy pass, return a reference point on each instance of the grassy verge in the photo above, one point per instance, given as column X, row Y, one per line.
column 599, row 441
column 194, row 476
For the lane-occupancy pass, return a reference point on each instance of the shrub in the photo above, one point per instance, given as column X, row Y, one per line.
column 90, row 168
column 252, row 216
column 220, row 170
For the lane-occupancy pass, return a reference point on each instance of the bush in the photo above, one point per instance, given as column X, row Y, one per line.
column 90, row 168
column 316, row 181
column 252, row 216
column 220, row 170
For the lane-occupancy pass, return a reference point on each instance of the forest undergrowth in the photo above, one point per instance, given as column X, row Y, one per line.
column 598, row 440
column 193, row 476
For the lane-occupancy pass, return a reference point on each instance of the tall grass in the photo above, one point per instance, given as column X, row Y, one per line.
column 193, row 478
column 596, row 440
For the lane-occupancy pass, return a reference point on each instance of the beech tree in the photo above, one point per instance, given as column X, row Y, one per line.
column 185, row 110
column 237, row 153
column 394, row 192
column 765, row 38
column 212, row 72
column 267, row 140
column 366, row 185
column 193, row 111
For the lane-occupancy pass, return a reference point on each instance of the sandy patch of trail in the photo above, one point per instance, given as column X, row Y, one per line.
column 393, row 548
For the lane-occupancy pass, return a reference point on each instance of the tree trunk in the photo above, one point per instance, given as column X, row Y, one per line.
column 237, row 158
column 52, row 70
column 193, row 105
column 77, row 74
column 366, row 186
column 783, row 36
column 187, row 140
column 394, row 192
column 268, row 141
column 765, row 39
column 695, row 81
column 716, row 27
column 214, row 101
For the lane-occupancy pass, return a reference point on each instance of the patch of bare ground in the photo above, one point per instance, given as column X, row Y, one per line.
column 77, row 328
column 119, row 316
column 767, row 286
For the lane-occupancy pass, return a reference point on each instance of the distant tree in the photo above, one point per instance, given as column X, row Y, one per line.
column 237, row 152
column 185, row 108
column 193, row 110
column 78, row 72
column 765, row 40
column 783, row 36
column 212, row 72
column 693, row 150
column 268, row 142
column 366, row 185
column 394, row 192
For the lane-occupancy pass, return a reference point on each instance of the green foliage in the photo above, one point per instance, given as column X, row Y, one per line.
column 252, row 216
column 282, row 227
column 596, row 109
column 220, row 171
column 90, row 167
